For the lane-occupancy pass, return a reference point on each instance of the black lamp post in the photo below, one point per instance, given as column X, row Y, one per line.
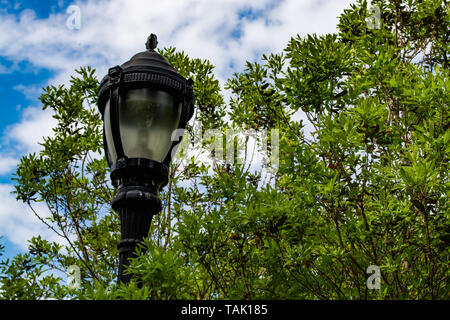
column 142, row 102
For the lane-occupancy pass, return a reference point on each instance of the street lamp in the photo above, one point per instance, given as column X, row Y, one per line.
column 142, row 103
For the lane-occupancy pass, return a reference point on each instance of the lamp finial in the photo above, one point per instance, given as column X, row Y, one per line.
column 152, row 42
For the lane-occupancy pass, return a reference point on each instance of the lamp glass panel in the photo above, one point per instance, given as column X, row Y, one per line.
column 110, row 148
column 147, row 119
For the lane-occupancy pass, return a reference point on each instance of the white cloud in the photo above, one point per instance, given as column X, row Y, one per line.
column 31, row 92
column 7, row 165
column 18, row 223
column 34, row 125
column 112, row 31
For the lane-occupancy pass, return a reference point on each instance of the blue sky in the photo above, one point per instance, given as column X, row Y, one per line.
column 37, row 48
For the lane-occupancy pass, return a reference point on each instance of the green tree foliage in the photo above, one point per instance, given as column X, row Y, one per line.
column 368, row 186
